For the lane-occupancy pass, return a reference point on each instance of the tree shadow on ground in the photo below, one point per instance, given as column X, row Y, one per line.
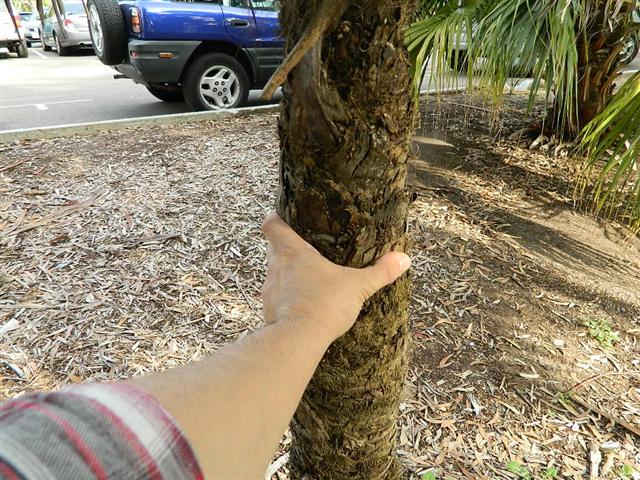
column 573, row 241
column 509, row 275
column 541, row 188
column 561, row 264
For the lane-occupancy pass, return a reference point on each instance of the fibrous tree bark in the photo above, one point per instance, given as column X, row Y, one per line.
column 607, row 24
column 345, row 126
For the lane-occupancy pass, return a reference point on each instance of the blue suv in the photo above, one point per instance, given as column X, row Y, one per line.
column 209, row 53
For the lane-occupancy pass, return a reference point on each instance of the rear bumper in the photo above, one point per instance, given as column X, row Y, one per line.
column 146, row 67
column 76, row 39
column 4, row 41
column 32, row 34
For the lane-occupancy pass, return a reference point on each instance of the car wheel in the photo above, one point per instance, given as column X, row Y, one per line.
column 215, row 81
column 62, row 51
column 630, row 49
column 108, row 31
column 22, row 50
column 45, row 47
column 459, row 61
column 167, row 94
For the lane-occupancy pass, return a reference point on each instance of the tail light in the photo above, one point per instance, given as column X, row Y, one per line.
column 68, row 22
column 18, row 20
column 136, row 24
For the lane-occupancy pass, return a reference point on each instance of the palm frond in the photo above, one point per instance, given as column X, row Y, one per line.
column 611, row 142
column 513, row 38
column 531, row 38
column 433, row 38
column 570, row 50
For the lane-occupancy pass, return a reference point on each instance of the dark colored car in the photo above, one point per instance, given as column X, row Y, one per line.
column 632, row 43
column 208, row 53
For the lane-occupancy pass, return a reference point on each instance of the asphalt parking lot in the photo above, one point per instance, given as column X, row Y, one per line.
column 46, row 89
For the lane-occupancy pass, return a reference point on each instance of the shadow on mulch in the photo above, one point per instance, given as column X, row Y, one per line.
column 542, row 270
column 566, row 244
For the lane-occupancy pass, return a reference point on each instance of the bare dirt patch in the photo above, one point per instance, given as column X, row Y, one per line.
column 137, row 250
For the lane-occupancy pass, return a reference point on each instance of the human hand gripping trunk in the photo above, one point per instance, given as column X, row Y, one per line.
column 236, row 405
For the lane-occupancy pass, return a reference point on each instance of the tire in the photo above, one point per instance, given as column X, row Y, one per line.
column 45, row 47
column 108, row 31
column 22, row 50
column 62, row 51
column 166, row 94
column 632, row 46
column 228, row 67
column 459, row 61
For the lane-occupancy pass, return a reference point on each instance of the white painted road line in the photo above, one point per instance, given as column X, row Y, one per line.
column 40, row 54
column 43, row 106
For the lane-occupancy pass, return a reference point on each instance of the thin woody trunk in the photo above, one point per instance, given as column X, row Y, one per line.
column 40, row 8
column 345, row 126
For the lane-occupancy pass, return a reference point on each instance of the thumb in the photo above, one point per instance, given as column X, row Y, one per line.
column 385, row 271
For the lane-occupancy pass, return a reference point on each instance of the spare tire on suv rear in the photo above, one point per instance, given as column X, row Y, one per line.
column 108, row 31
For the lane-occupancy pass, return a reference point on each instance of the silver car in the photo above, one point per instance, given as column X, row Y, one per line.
column 30, row 26
column 71, row 32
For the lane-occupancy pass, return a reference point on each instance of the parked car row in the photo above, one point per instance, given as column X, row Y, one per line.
column 18, row 31
column 71, row 33
column 209, row 53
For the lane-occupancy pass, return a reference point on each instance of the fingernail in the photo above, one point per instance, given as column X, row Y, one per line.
column 404, row 263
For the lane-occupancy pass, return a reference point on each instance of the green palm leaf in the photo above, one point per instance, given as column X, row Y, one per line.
column 508, row 38
column 546, row 40
column 611, row 142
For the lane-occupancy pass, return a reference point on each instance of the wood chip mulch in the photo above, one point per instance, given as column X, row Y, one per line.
column 133, row 251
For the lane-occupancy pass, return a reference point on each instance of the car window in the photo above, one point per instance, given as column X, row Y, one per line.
column 235, row 3
column 73, row 8
column 270, row 5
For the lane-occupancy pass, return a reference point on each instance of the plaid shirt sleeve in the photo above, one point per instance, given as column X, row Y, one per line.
column 92, row 431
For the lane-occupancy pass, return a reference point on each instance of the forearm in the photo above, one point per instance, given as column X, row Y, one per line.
column 236, row 405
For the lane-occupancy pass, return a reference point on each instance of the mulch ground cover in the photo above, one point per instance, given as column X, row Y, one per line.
column 132, row 251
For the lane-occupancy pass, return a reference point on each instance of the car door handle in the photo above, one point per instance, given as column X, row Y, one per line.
column 237, row 22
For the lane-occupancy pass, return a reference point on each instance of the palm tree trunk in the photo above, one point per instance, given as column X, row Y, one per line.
column 345, row 126
column 599, row 49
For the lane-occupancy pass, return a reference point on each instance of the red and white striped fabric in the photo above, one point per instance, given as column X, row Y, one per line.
column 93, row 431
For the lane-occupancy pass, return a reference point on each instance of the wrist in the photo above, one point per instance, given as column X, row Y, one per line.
column 308, row 331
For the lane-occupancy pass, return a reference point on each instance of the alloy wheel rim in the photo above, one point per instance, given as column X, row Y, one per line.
column 96, row 28
column 219, row 87
column 627, row 50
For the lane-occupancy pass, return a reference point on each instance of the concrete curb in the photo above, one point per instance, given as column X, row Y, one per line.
column 10, row 136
